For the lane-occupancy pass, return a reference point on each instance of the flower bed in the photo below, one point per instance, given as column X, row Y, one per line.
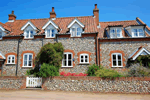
column 72, row 74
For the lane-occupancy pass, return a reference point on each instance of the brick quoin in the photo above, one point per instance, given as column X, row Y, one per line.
column 22, row 57
column 73, row 53
column 11, row 53
column 81, row 52
column 117, row 51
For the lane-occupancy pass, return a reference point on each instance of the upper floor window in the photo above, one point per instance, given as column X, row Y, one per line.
column 84, row 58
column 50, row 33
column 137, row 33
column 67, row 60
column 116, row 60
column 0, row 35
column 115, row 33
column 11, row 59
column 76, row 31
column 29, row 33
column 27, row 60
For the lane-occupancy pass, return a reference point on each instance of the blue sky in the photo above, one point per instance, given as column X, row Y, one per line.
column 109, row 10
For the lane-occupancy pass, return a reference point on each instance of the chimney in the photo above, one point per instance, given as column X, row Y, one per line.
column 12, row 17
column 96, row 14
column 52, row 14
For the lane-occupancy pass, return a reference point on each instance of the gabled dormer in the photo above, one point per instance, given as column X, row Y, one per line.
column 76, row 28
column 114, row 31
column 136, row 31
column 51, row 29
column 29, row 30
column 2, row 32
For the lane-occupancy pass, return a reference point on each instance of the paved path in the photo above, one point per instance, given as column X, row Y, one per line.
column 59, row 95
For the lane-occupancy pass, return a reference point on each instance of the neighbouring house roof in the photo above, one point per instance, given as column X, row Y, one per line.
column 88, row 21
column 139, row 51
column 5, row 26
column 1, row 56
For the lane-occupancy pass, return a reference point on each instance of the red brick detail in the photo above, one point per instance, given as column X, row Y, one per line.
column 73, row 53
column 117, row 51
column 22, row 57
column 11, row 53
column 81, row 52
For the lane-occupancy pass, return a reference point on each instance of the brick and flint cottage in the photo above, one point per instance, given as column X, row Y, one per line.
column 86, row 41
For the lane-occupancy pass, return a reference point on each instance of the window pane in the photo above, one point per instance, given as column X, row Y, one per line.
column 73, row 32
column 119, row 56
column 119, row 63
column 30, row 57
column 140, row 30
column 8, row 61
column 86, row 56
column 78, row 33
column 53, row 33
column 69, row 63
column 25, row 63
column 25, row 57
column 31, row 33
column 13, row 61
column 30, row 63
column 82, row 60
column 13, row 57
column 48, row 33
column 81, row 56
column 64, row 63
column 65, row 56
column 141, row 34
column 114, row 63
column 112, row 31
column 69, row 56
column 86, row 60
column 114, row 57
column 27, row 34
column 9, row 58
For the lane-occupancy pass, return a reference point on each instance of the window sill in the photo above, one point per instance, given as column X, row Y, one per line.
column 66, row 66
column 10, row 63
column 49, row 37
column 84, row 64
column 117, row 66
column 28, row 38
column 26, row 66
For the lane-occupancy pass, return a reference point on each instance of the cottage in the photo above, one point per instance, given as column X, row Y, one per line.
column 86, row 41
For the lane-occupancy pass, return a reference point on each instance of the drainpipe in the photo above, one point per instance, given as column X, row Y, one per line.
column 17, row 55
column 96, row 50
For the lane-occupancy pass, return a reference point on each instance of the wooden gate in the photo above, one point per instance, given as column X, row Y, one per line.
column 33, row 81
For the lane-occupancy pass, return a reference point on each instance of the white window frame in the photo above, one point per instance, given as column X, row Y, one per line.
column 46, row 31
column 116, row 32
column 27, row 59
column 137, row 32
column 29, row 34
column 10, row 59
column 75, row 32
column 67, row 60
column 84, row 58
column 117, row 60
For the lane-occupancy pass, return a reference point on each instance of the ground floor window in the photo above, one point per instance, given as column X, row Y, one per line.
column 27, row 60
column 84, row 58
column 67, row 60
column 116, row 60
column 11, row 59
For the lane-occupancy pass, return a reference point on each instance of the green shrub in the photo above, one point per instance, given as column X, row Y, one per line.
column 47, row 70
column 107, row 73
column 138, row 71
column 92, row 69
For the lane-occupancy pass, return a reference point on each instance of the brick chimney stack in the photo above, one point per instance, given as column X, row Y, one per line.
column 96, row 14
column 11, row 16
column 52, row 14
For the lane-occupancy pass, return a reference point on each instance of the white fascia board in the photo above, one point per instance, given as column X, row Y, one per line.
column 2, row 55
column 2, row 28
column 48, row 23
column 28, row 23
column 133, row 53
column 143, row 49
column 75, row 21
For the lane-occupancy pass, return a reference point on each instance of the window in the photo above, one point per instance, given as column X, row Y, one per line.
column 0, row 35
column 137, row 33
column 84, row 58
column 11, row 59
column 50, row 33
column 27, row 60
column 116, row 60
column 29, row 34
column 67, row 60
column 76, row 31
column 115, row 33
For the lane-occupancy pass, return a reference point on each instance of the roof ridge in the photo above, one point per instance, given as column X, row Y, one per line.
column 56, row 18
column 118, row 21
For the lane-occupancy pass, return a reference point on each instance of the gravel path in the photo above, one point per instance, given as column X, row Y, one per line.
column 60, row 95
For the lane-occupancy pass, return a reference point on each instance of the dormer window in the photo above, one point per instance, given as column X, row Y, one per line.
column 137, row 33
column 50, row 33
column 76, row 28
column 29, row 34
column 115, row 33
column 76, row 31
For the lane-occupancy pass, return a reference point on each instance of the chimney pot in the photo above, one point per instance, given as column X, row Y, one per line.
column 52, row 9
column 95, row 6
column 96, row 14
column 12, row 16
column 12, row 12
column 52, row 14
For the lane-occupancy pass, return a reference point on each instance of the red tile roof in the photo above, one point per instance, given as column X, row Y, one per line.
column 1, row 57
column 62, row 23
column 115, row 23
column 5, row 26
column 139, row 49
